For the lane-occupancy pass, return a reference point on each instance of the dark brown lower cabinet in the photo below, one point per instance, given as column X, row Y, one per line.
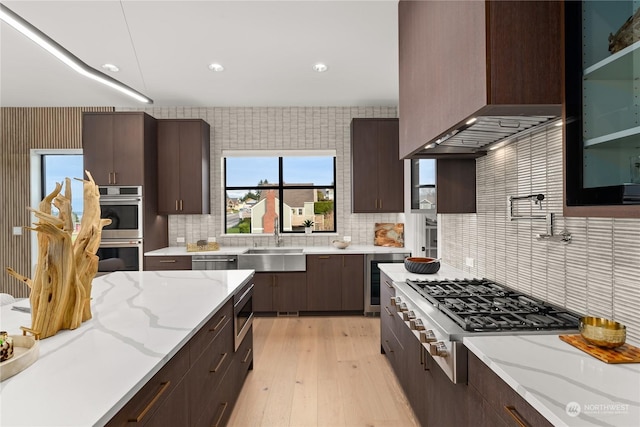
column 505, row 403
column 280, row 292
column 199, row 385
column 157, row 263
column 335, row 282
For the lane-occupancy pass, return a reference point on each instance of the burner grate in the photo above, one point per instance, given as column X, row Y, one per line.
column 482, row 305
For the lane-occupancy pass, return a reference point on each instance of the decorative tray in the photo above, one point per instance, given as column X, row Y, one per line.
column 626, row 353
column 195, row 247
column 26, row 350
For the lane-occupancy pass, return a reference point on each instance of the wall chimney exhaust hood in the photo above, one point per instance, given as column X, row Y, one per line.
column 473, row 137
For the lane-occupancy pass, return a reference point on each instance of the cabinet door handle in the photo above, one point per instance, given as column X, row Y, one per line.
column 215, row 328
column 115, row 178
column 220, row 362
column 222, row 411
column 275, row 281
column 390, row 349
column 176, row 204
column 389, row 285
column 246, row 358
column 163, row 387
column 380, row 203
column 387, row 310
column 181, row 208
column 167, row 261
column 511, row 410
column 324, row 257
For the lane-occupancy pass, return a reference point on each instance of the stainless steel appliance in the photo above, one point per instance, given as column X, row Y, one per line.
column 372, row 278
column 214, row 262
column 242, row 313
column 123, row 206
column 120, row 255
column 443, row 312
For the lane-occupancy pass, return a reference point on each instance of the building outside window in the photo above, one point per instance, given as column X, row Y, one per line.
column 290, row 186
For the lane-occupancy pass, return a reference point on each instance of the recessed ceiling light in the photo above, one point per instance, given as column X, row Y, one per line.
column 320, row 67
column 216, row 67
column 111, row 67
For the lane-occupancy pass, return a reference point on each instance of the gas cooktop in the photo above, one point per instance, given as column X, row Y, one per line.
column 481, row 305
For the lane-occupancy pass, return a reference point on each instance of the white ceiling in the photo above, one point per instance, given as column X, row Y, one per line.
column 163, row 49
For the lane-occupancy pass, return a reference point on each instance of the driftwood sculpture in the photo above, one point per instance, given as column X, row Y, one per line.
column 627, row 35
column 61, row 287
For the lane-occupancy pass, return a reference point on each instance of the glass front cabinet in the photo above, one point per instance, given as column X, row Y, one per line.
column 602, row 108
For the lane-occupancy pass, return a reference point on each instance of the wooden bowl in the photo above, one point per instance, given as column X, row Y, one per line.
column 602, row 332
column 422, row 265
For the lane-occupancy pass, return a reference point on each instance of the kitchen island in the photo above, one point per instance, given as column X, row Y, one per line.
column 83, row 377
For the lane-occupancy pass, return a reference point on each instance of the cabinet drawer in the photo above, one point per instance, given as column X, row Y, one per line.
column 508, row 404
column 244, row 358
column 141, row 408
column 154, row 263
column 211, row 330
column 207, row 372
column 217, row 410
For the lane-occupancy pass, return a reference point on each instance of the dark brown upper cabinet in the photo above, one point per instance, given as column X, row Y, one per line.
column 119, row 148
column 464, row 59
column 183, row 166
column 377, row 173
column 456, row 186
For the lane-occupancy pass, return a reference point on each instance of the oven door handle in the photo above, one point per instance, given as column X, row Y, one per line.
column 119, row 200
column 121, row 244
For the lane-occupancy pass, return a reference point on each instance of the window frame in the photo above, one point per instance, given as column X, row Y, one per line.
column 416, row 186
column 280, row 187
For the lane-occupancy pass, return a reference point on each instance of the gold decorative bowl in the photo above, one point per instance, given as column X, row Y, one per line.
column 602, row 332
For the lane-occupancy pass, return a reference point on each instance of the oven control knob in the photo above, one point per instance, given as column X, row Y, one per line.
column 408, row 315
column 403, row 307
column 395, row 301
column 416, row 324
column 438, row 348
column 428, row 336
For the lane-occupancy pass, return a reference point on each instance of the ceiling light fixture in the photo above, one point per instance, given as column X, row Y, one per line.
column 110, row 67
column 320, row 67
column 72, row 61
column 216, row 67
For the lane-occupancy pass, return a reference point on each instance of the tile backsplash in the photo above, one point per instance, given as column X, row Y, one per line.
column 598, row 273
column 277, row 128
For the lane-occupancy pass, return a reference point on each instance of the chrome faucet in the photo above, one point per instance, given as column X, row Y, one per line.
column 276, row 232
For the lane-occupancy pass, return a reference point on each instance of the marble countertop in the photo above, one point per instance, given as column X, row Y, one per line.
column 236, row 250
column 566, row 385
column 140, row 320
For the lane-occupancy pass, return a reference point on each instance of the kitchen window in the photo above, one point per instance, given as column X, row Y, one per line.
column 290, row 186
column 423, row 185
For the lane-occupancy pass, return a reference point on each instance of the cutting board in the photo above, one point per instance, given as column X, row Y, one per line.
column 389, row 234
column 626, row 353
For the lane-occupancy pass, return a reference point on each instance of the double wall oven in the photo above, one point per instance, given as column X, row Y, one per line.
column 121, row 243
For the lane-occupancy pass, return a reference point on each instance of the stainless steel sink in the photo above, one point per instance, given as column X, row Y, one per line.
column 273, row 259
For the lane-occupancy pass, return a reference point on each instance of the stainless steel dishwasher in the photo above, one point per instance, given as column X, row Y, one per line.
column 214, row 262
column 372, row 278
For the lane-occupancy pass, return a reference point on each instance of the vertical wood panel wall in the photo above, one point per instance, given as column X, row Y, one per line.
column 23, row 129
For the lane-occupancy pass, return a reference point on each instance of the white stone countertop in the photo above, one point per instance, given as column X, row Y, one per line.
column 550, row 374
column 140, row 320
column 566, row 385
column 235, row 250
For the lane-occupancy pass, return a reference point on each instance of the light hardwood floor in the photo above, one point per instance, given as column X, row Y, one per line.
column 320, row 371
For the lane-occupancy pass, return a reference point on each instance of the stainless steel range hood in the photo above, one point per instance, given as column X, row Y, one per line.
column 475, row 136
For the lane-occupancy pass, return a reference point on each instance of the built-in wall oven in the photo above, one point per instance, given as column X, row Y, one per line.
column 121, row 242
column 123, row 206
column 372, row 278
column 242, row 312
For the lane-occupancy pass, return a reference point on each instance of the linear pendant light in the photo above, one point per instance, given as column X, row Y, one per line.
column 51, row 46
